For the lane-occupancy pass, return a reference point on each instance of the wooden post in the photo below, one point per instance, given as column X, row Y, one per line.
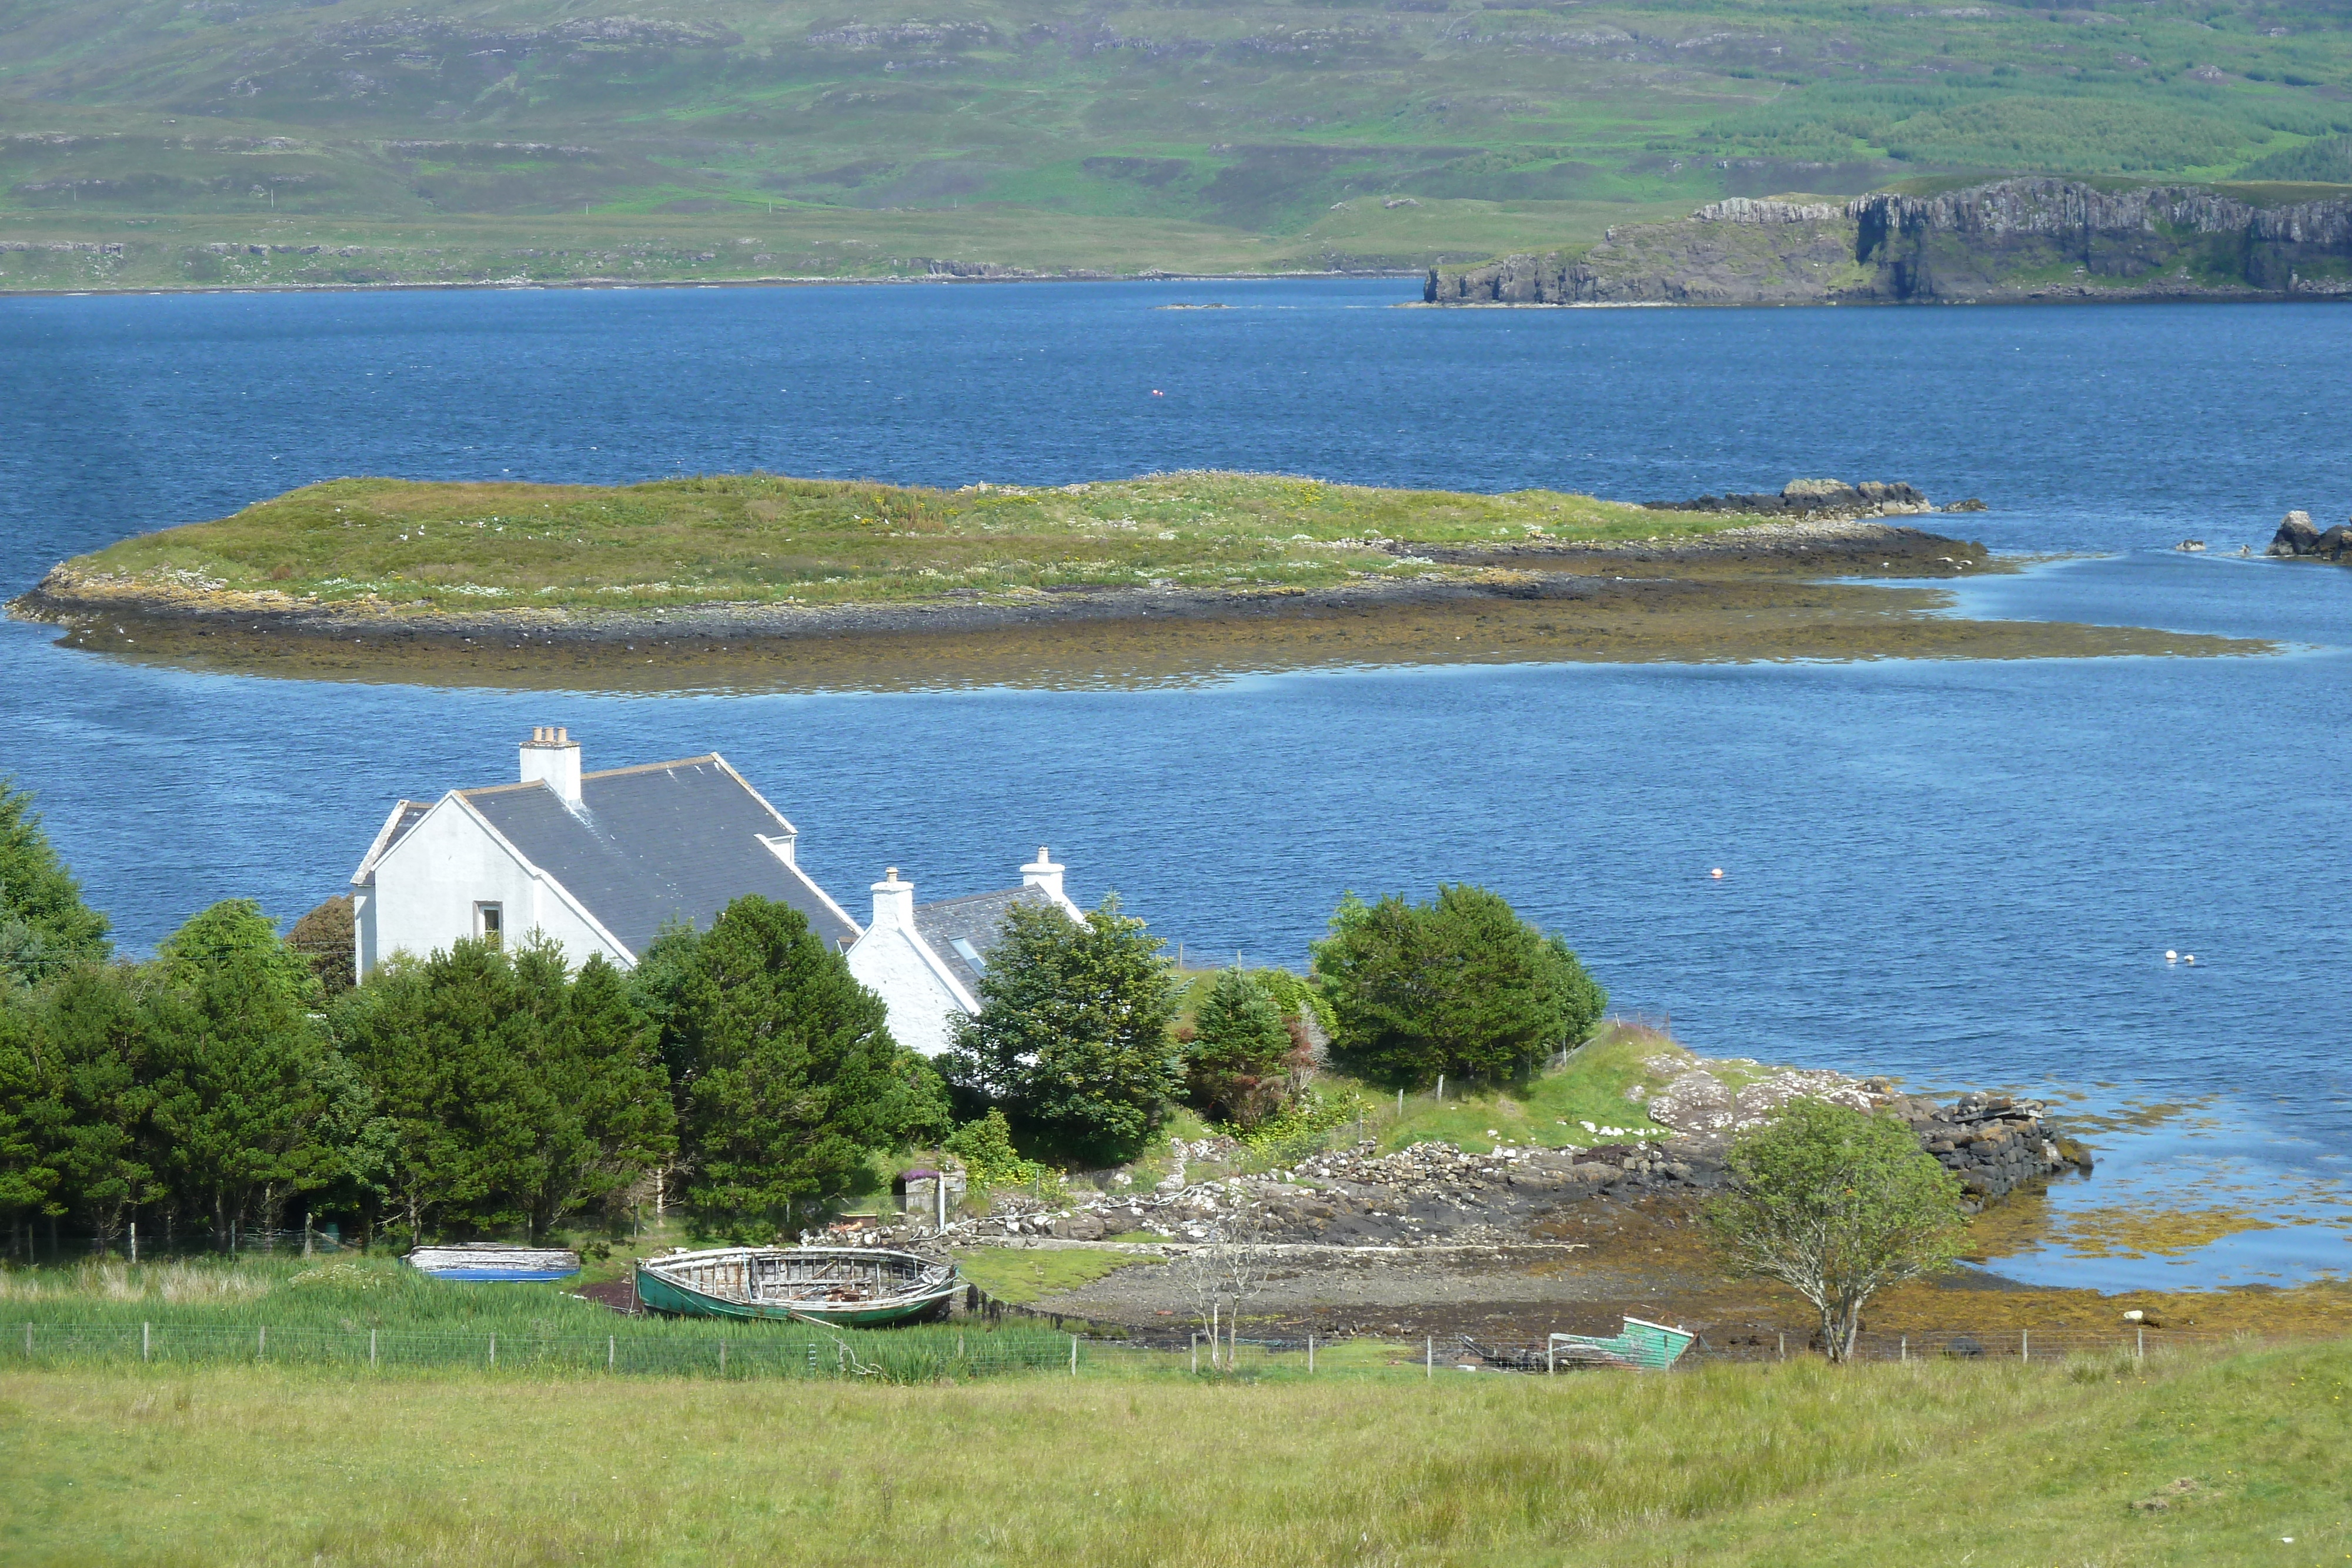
column 2142, row 1353
column 260, row 1343
column 1310, row 1354
column 2024, row 1345
column 494, row 1349
column 1784, row 1345
column 612, row 1351
column 1216, row 1336
column 134, row 1244
column 370, row 1350
column 1196, row 1347
column 1400, row 1101
column 1073, row 1355
column 146, row 1344
column 1429, row 1357
column 1551, row 1358
column 28, row 1342
column 306, row 1233
column 1902, row 1351
column 958, row 1344
column 1441, row 1089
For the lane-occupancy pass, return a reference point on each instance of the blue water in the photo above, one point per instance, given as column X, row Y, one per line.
column 1962, row 872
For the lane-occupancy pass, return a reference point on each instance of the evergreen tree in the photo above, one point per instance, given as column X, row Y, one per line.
column 43, row 925
column 611, row 1101
column 446, row 1046
column 1460, row 984
column 90, row 1049
column 324, row 937
column 236, row 1057
column 789, row 1076
column 28, row 1170
column 1237, row 1063
column 1072, row 1037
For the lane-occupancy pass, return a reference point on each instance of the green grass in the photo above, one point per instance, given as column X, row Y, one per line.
column 489, row 139
column 1021, row 1276
column 1759, row 1466
column 767, row 540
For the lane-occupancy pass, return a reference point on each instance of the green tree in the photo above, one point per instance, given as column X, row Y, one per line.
column 1837, row 1205
column 788, row 1074
column 985, row 1144
column 1460, row 984
column 324, row 939
column 446, row 1046
column 1238, row 1062
column 236, row 1057
column 92, row 1050
column 612, row 1117
column 43, row 925
column 28, row 1172
column 1072, row 1037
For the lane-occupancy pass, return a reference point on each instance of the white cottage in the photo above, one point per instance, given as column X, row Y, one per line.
column 599, row 862
column 925, row 960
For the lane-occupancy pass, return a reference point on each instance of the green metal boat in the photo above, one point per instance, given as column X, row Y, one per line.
column 841, row 1287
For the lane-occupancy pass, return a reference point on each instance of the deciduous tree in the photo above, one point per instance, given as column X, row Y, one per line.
column 1837, row 1205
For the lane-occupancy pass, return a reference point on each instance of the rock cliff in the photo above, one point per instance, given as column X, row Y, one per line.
column 2007, row 240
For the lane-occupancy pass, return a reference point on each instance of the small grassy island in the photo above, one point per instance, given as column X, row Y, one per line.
column 762, row 579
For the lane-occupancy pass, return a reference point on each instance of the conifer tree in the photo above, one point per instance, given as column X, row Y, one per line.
column 1237, row 1062
column 1072, row 1037
column 788, row 1074
column 45, row 927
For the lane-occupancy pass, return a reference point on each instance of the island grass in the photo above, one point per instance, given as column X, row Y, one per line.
column 768, row 540
column 1796, row 1464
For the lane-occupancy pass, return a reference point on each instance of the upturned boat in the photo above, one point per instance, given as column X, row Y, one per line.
column 495, row 1262
column 845, row 1287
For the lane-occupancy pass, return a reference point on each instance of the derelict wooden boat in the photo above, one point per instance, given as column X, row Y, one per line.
column 495, row 1261
column 846, row 1287
column 1641, row 1345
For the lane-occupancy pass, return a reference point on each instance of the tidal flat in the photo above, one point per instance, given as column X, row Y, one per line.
column 762, row 583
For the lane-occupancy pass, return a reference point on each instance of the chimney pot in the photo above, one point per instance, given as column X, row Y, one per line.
column 894, row 901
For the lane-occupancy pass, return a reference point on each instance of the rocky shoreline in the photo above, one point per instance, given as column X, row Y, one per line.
column 2007, row 240
column 89, row 606
column 2299, row 540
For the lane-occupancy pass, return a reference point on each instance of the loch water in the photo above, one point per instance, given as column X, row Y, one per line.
column 1962, row 872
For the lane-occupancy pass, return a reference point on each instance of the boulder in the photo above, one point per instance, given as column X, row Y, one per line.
column 1080, row 1228
column 2295, row 536
column 2335, row 544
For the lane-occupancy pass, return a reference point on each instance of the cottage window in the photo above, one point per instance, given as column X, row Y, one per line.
column 489, row 921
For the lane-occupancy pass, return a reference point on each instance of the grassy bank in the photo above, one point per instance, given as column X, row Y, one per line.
column 1798, row 1465
column 762, row 538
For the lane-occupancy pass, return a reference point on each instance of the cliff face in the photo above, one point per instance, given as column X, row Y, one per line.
column 2013, row 239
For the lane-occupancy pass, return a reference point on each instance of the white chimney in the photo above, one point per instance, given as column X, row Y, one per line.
column 1041, row 873
column 894, row 902
column 551, row 756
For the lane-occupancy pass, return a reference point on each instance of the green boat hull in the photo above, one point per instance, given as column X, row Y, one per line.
column 714, row 1288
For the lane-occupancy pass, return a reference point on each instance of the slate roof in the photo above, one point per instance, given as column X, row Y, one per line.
column 978, row 918
column 668, row 840
column 407, row 815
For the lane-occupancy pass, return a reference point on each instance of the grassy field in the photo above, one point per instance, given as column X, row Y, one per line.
column 1802, row 1464
column 761, row 539
column 485, row 139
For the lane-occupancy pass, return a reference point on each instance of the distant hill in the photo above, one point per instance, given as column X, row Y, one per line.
column 531, row 139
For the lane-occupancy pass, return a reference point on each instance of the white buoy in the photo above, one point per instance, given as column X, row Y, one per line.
column 1716, row 873
column 2170, row 956
column 2188, row 957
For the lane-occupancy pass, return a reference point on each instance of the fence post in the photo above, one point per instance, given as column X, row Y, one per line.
column 28, row 1342
column 2024, row 1345
column 1310, row 1353
column 1429, row 1356
column 1073, row 1355
column 2140, row 1354
column 494, row 1349
column 1196, row 1347
column 722, row 1358
column 261, row 1344
column 1784, row 1345
column 612, row 1347
column 146, row 1344
column 1904, row 1351
column 1552, row 1359
column 134, row 1244
column 370, row 1350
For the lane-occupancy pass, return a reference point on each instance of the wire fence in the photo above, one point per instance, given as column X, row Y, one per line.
column 952, row 1352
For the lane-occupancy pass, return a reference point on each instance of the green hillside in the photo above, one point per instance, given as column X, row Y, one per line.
column 705, row 138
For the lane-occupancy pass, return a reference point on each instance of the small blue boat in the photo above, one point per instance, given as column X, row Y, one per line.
column 495, row 1262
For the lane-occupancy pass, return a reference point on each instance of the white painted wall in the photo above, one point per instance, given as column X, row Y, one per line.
column 427, row 887
column 894, row 963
